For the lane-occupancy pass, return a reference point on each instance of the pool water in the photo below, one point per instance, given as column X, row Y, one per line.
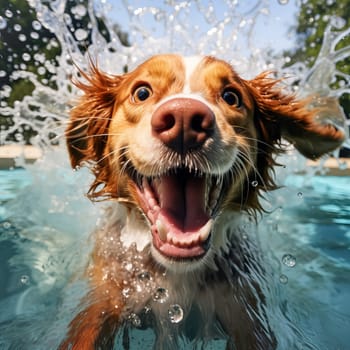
column 45, row 222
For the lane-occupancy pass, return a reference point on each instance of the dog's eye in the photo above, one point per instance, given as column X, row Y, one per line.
column 142, row 93
column 231, row 97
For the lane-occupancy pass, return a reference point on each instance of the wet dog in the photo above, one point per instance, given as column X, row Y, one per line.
column 184, row 147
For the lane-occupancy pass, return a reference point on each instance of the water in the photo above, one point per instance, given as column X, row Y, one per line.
column 306, row 241
column 45, row 220
column 310, row 239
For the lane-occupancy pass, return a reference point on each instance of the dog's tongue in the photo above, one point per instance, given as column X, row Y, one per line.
column 182, row 201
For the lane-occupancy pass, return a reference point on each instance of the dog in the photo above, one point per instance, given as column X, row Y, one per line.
column 184, row 148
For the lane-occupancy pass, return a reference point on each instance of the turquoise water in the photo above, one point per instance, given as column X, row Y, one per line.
column 44, row 226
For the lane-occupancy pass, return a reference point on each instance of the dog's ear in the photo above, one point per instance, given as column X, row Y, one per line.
column 307, row 123
column 87, row 129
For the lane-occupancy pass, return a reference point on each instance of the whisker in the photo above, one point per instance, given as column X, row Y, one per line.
column 121, row 150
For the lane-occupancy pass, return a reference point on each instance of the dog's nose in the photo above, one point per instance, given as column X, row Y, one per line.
column 183, row 123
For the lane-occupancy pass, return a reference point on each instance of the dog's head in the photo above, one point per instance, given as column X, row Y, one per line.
column 186, row 141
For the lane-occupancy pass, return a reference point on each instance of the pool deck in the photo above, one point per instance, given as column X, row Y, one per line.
column 9, row 153
column 30, row 154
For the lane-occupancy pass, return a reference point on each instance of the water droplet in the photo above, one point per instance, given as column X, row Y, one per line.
column 36, row 25
column 81, row 34
column 34, row 35
column 26, row 57
column 8, row 13
column 17, row 27
column 126, row 292
column 175, row 313
column 283, row 279
column 338, row 22
column 127, row 265
column 289, row 260
column 242, row 23
column 300, row 194
column 255, row 183
column 283, row 2
column 25, row 279
column 22, row 37
column 41, row 70
column 3, row 23
column 79, row 10
column 160, row 295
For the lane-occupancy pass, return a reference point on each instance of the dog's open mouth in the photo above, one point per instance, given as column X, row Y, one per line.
column 180, row 207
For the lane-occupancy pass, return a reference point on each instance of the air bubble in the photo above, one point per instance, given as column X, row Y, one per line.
column 255, row 183
column 147, row 309
column 175, row 313
column 25, row 279
column 300, row 194
column 160, row 295
column 289, row 260
column 135, row 320
column 6, row 225
column 283, row 279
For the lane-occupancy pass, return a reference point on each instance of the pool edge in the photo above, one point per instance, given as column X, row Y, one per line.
column 26, row 153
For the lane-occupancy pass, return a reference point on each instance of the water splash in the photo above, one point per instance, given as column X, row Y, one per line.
column 319, row 80
column 187, row 27
column 170, row 27
column 229, row 33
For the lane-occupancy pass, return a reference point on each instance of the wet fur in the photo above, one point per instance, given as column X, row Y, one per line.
column 220, row 293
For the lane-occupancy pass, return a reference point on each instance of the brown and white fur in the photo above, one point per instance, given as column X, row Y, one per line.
column 186, row 147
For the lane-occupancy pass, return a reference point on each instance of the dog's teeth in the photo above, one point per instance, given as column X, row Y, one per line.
column 175, row 240
column 152, row 202
column 205, row 230
column 145, row 184
column 162, row 231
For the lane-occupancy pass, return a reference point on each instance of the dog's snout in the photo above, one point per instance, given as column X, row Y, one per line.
column 183, row 123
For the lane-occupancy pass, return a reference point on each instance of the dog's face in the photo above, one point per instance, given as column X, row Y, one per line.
column 186, row 141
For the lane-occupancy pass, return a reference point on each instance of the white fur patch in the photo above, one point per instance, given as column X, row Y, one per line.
column 194, row 96
column 191, row 63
